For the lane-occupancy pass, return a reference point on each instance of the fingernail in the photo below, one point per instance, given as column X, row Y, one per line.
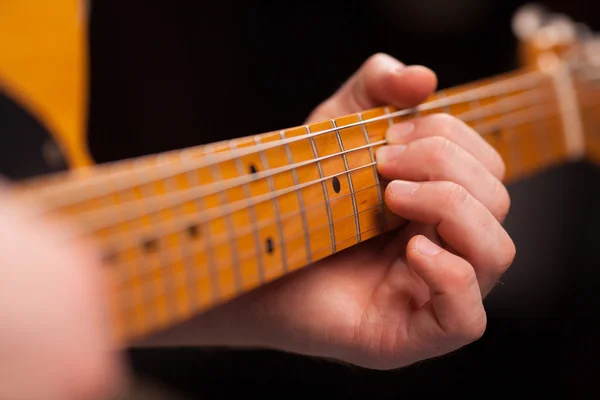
column 399, row 131
column 426, row 247
column 386, row 154
column 403, row 188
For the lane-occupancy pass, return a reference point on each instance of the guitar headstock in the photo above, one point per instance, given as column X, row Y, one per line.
column 547, row 39
column 541, row 32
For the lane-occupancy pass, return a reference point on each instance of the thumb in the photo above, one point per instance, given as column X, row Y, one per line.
column 381, row 80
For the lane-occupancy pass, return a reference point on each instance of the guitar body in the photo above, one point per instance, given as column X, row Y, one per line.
column 43, row 87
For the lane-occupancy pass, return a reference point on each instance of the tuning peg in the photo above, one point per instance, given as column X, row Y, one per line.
column 528, row 20
column 562, row 27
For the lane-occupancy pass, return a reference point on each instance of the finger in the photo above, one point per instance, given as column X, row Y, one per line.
column 455, row 130
column 381, row 80
column 455, row 315
column 462, row 222
column 436, row 158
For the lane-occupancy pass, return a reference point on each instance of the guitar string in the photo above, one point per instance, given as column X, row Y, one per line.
column 250, row 229
column 250, row 255
column 520, row 121
column 130, row 306
column 353, row 236
column 104, row 218
column 221, row 211
column 107, row 218
column 192, row 308
column 151, row 173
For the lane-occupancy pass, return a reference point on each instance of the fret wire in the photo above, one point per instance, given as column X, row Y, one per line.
column 135, row 265
column 224, row 238
column 245, row 204
column 542, row 132
column 250, row 256
column 518, row 122
column 350, row 183
column 300, row 197
column 524, row 81
column 205, row 190
column 514, row 145
column 252, row 213
column 325, row 192
column 105, row 220
column 382, row 219
column 164, row 284
column 216, row 176
column 184, row 246
column 265, row 164
column 209, row 250
column 446, row 108
column 284, row 190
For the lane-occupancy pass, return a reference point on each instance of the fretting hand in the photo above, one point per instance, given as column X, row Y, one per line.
column 406, row 296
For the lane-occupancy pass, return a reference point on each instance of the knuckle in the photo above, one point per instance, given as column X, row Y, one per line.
column 440, row 151
column 475, row 329
column 464, row 277
column 442, row 123
column 376, row 59
column 456, row 195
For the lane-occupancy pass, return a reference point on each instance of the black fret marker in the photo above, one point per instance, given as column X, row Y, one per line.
column 150, row 245
column 253, row 169
column 337, row 186
column 270, row 246
column 497, row 133
column 192, row 231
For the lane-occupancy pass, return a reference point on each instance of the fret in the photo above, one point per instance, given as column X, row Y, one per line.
column 299, row 196
column 350, row 182
column 183, row 268
column 589, row 99
column 513, row 158
column 265, row 164
column 207, row 289
column 542, row 132
column 445, row 108
column 153, row 261
column 325, row 192
column 380, row 187
column 137, row 323
column 253, row 220
column 375, row 132
column 235, row 270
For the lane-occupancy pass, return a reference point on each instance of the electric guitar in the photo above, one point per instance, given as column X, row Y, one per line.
column 186, row 230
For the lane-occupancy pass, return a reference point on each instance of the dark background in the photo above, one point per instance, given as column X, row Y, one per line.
column 176, row 73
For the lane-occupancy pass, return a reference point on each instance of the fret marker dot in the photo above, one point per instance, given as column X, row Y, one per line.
column 496, row 132
column 270, row 245
column 192, row 231
column 337, row 186
column 150, row 245
column 253, row 169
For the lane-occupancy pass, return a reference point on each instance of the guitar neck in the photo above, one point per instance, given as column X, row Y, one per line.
column 187, row 230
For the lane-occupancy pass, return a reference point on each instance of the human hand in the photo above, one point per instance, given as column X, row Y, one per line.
column 408, row 295
column 54, row 334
